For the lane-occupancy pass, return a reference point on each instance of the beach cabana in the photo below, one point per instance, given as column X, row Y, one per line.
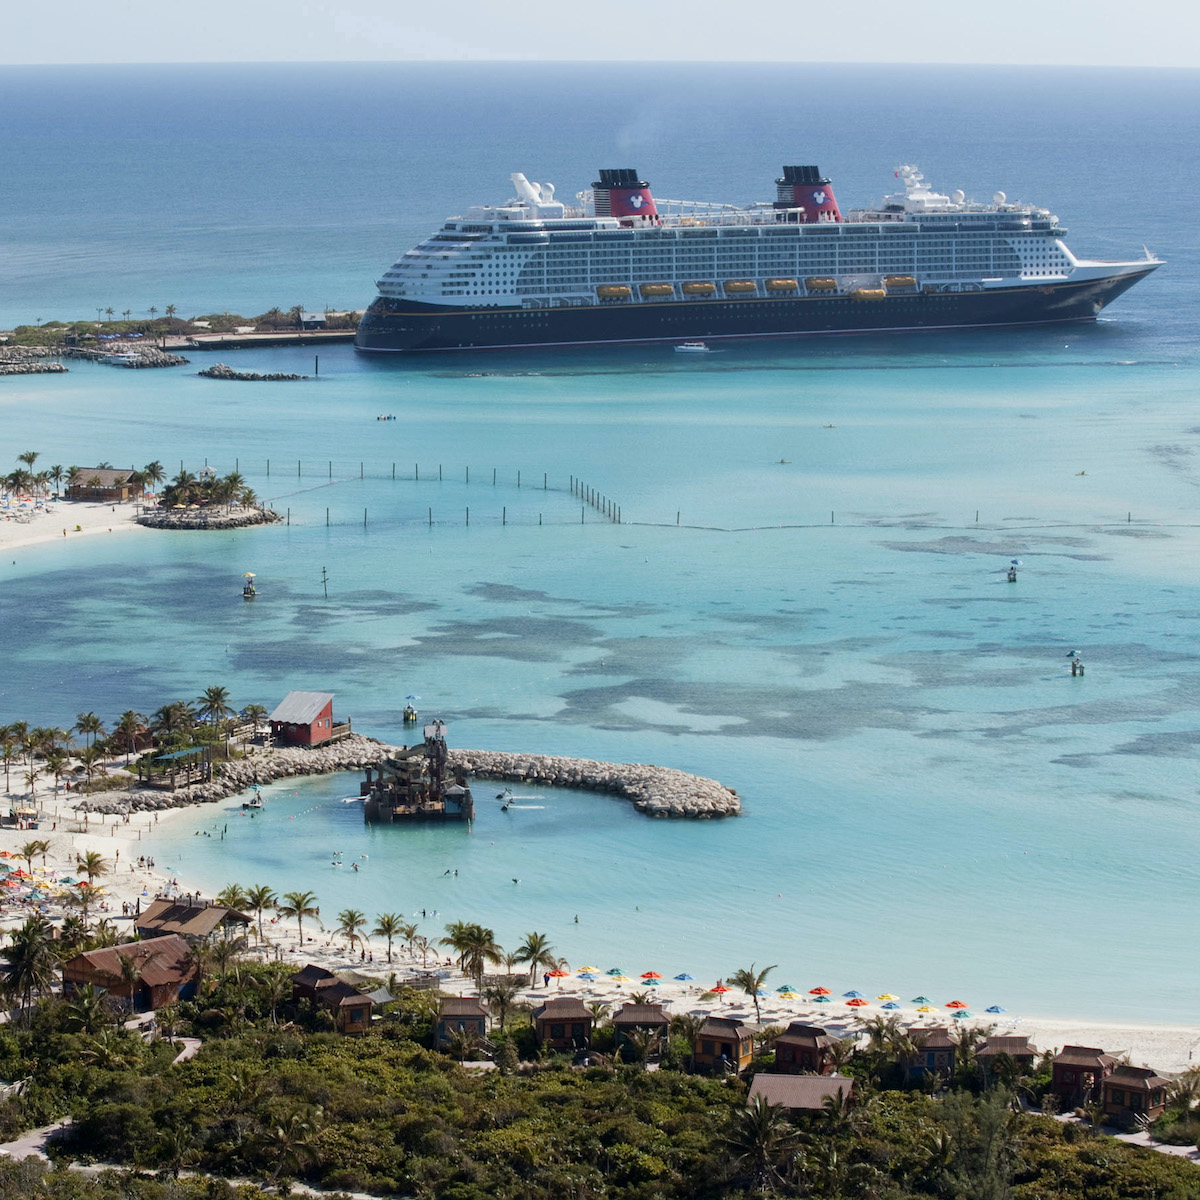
column 102, row 484
column 800, row 1093
column 306, row 719
column 997, row 1049
column 564, row 1023
column 804, row 1049
column 164, row 971
column 194, row 920
column 1077, row 1072
column 933, row 1054
column 1133, row 1095
column 461, row 1014
column 632, row 1019
column 723, row 1044
column 350, row 1009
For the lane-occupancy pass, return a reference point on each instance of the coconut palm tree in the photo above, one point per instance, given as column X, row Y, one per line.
column 93, row 864
column 388, row 925
column 10, row 752
column 259, row 898
column 291, row 1141
column 214, row 706
column 56, row 474
column 90, row 759
column 29, row 961
column 174, row 721
column 226, row 954
column 130, row 725
column 750, row 981
column 31, row 850
column 350, row 922
column 501, row 995
column 298, row 905
column 154, row 472
column 273, row 989
column 90, row 726
column 537, row 952
column 28, row 458
column 233, row 895
column 170, row 311
column 760, row 1141
column 87, row 1011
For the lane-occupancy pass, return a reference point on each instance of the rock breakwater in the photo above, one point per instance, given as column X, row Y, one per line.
column 200, row 518
column 32, row 368
column 655, row 791
column 222, row 371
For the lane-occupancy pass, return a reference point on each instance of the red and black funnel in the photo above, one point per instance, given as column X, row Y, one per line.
column 620, row 193
column 806, row 188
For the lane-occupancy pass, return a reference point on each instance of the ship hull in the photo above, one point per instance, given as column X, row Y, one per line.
column 397, row 326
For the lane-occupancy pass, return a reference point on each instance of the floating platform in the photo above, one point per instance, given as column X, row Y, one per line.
column 416, row 784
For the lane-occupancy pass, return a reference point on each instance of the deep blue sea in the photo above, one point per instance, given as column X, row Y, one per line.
column 932, row 803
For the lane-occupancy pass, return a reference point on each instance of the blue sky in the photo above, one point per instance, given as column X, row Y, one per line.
column 1153, row 33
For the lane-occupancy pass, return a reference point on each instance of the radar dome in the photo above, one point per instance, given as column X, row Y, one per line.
column 958, row 195
column 999, row 198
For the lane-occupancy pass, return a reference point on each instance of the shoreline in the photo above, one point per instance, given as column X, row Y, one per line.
column 58, row 523
column 1168, row 1047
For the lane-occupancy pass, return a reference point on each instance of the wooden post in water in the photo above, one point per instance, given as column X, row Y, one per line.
column 417, row 472
column 493, row 477
column 360, row 470
column 518, row 479
column 439, row 472
column 364, row 518
column 393, row 470
column 468, row 474
column 297, row 468
column 504, row 515
column 326, row 516
column 331, row 468
column 468, row 514
column 431, row 518
column 289, row 516
column 268, row 468
column 316, row 364
column 581, row 514
column 544, row 478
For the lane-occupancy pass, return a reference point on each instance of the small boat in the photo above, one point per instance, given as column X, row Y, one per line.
column 248, row 589
column 504, row 795
column 692, row 348
column 410, row 714
column 254, row 801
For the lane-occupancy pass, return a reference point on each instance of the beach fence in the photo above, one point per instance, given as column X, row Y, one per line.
column 321, row 492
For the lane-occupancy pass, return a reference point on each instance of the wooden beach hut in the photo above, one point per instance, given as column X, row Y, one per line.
column 350, row 1009
column 564, row 1023
column 1133, row 1095
column 934, row 1052
column 801, row 1093
column 632, row 1020
column 1077, row 1072
column 193, row 920
column 804, row 1049
column 303, row 719
column 996, row 1050
column 461, row 1014
column 160, row 970
column 723, row 1044
column 103, row 484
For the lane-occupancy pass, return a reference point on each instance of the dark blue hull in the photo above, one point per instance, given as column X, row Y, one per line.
column 404, row 326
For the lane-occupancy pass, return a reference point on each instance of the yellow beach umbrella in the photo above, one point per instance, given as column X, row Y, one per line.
column 589, row 971
column 926, row 1008
column 887, row 996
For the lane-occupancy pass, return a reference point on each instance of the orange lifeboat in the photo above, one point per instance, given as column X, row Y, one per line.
column 614, row 291
column 782, row 285
column 899, row 281
column 820, row 283
column 868, row 294
column 699, row 288
column 657, row 289
column 739, row 287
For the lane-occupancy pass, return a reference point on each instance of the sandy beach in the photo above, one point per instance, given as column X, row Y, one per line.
column 1168, row 1048
column 63, row 520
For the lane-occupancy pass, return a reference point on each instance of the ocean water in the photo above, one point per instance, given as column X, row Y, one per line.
column 932, row 803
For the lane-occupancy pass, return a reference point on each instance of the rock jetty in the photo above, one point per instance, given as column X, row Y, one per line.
column 222, row 371
column 32, row 368
column 655, row 791
column 204, row 518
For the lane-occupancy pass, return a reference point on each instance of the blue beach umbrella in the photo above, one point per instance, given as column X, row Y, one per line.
column 787, row 987
column 920, row 1000
column 852, row 996
column 962, row 1015
column 651, row 982
column 410, row 697
column 614, row 971
column 891, row 1004
column 822, row 1000
column 684, row 978
column 996, row 1008
column 589, row 976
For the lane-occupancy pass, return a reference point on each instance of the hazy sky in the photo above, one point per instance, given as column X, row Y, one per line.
column 1152, row 33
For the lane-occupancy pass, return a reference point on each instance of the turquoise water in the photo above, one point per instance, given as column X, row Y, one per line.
column 932, row 803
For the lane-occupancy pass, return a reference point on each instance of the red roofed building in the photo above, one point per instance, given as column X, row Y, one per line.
column 161, row 971
column 303, row 719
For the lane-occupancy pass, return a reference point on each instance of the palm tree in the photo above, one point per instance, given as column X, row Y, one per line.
column 258, row 898
column 56, row 474
column 130, row 725
column 255, row 714
column 273, row 989
column 90, row 726
column 93, row 864
column 226, row 953
column 10, row 753
column 170, row 311
column 291, row 1141
column 233, row 895
column 87, row 1011
column 90, row 758
column 750, row 981
column 28, row 458
column 29, row 961
column 214, row 705
column 298, row 905
column 501, row 996
column 537, row 952
column 760, row 1140
column 350, row 921
column 108, row 312
column 174, row 721
column 154, row 472
column 152, row 311
column 31, row 850
column 388, row 925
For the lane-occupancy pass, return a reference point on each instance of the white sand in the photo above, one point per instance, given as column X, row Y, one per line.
column 1167, row 1048
column 59, row 523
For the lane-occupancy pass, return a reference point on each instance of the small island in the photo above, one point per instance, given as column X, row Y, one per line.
column 224, row 371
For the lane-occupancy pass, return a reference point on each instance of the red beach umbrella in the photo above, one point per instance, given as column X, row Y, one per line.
column 720, row 989
column 956, row 1004
column 858, row 1002
column 651, row 975
column 558, row 974
column 818, row 991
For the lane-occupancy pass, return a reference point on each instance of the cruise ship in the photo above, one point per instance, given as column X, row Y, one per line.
column 620, row 266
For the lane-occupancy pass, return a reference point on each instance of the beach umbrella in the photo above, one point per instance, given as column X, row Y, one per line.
column 412, row 697
column 720, row 989
column 996, row 1008
column 857, row 1002
column 788, row 996
column 684, row 978
column 891, row 1004
column 852, row 995
column 590, row 970
column 956, row 1004
column 787, row 987
column 620, row 979
column 651, row 975
column 651, row 982
column 887, row 996
column 920, row 1000
column 558, row 973
column 588, row 976
column 822, row 1000
column 818, row 991
column 926, row 1008
column 961, row 1015
column 614, row 971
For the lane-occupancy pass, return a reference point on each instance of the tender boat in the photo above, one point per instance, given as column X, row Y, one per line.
column 692, row 348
